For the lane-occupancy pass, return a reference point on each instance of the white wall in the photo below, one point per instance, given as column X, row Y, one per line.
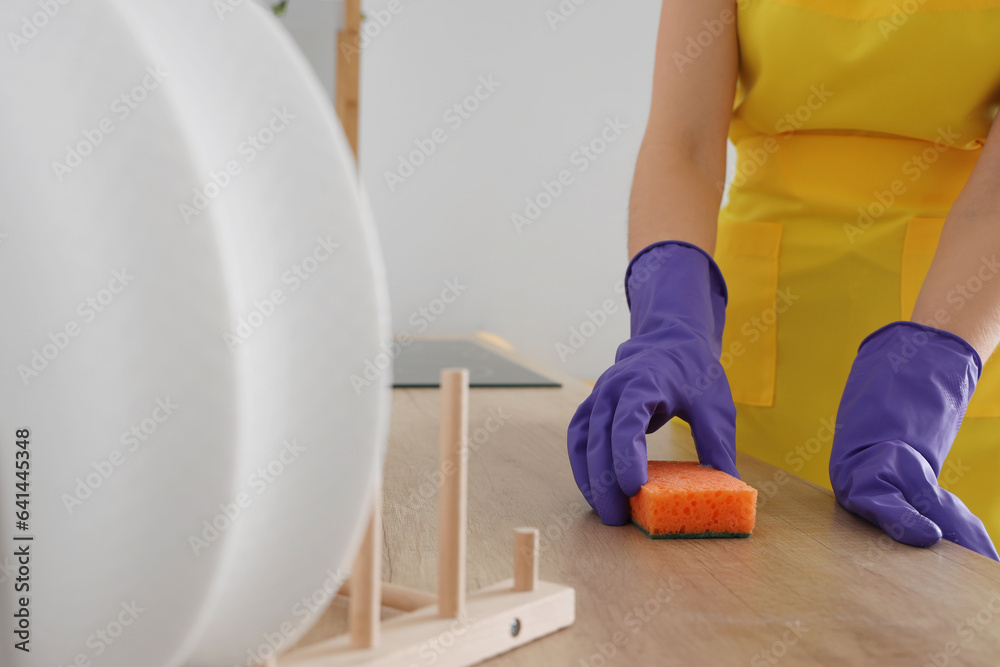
column 451, row 219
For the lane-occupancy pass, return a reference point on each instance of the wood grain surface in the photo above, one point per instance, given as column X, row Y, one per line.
column 813, row 585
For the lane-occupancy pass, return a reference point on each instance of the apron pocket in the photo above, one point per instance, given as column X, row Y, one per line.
column 919, row 245
column 747, row 253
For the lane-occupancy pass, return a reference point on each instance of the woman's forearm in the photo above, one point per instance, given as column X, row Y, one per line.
column 682, row 161
column 961, row 293
column 673, row 197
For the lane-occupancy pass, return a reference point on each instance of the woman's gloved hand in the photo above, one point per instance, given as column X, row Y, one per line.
column 668, row 368
column 904, row 401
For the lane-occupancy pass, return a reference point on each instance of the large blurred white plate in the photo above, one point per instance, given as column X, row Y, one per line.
column 272, row 421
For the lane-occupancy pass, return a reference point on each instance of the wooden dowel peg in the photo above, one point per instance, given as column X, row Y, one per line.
column 398, row 597
column 365, row 610
column 525, row 559
column 454, row 492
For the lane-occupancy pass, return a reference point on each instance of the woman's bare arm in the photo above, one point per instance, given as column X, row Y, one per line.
column 682, row 159
column 961, row 293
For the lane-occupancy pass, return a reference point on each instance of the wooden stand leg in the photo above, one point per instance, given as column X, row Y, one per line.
column 453, row 511
column 497, row 620
column 525, row 559
column 348, row 73
column 489, row 622
column 365, row 604
column 365, row 612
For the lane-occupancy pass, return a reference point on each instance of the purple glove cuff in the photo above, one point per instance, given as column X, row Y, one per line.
column 674, row 284
column 912, row 383
column 657, row 253
column 945, row 337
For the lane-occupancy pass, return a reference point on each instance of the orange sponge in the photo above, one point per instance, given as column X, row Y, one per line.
column 685, row 499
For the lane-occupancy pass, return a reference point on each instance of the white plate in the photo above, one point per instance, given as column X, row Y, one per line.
column 288, row 381
column 151, row 335
column 286, row 208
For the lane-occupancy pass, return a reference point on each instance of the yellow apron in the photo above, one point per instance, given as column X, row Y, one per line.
column 856, row 125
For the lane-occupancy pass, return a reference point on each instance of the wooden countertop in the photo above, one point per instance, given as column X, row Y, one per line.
column 813, row 585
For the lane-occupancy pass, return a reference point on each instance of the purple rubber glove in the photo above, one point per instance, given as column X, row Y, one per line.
column 668, row 368
column 904, row 401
